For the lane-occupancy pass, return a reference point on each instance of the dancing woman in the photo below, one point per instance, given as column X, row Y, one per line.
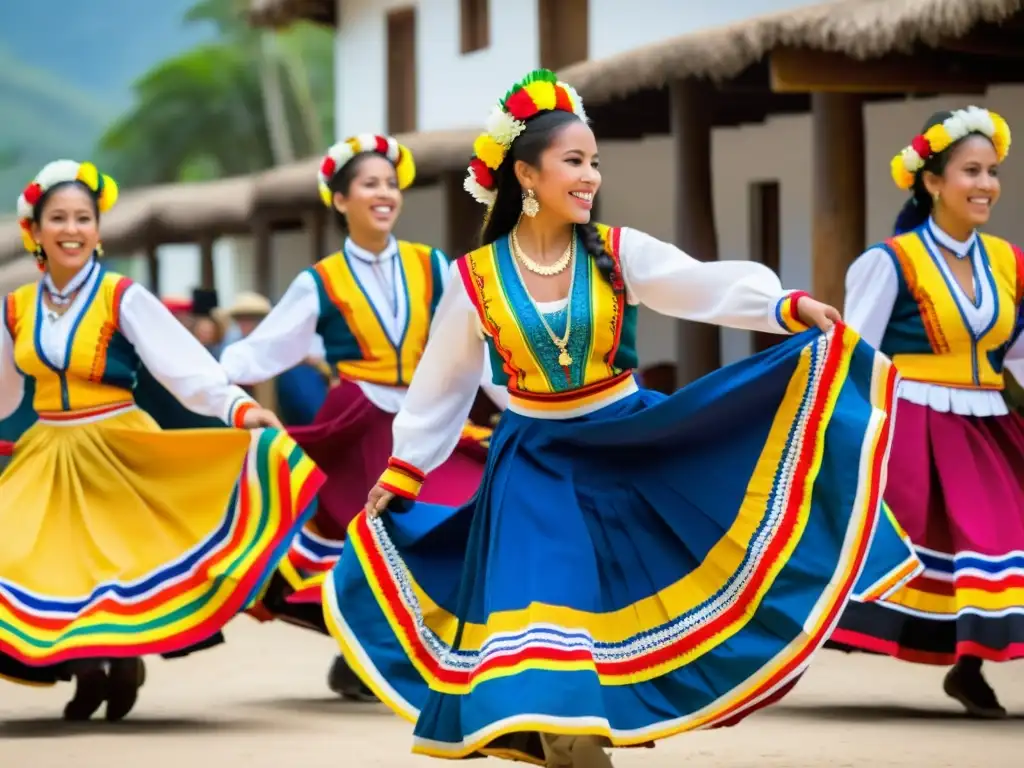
column 943, row 301
column 373, row 303
column 120, row 539
column 634, row 564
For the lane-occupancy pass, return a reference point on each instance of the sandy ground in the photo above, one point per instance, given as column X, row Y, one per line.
column 260, row 701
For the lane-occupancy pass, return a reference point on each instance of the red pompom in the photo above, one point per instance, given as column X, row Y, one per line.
column 381, row 145
column 921, row 146
column 32, row 193
column 562, row 100
column 520, row 105
column 482, row 173
column 327, row 167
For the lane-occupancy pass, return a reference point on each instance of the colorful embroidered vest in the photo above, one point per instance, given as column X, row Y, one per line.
column 354, row 334
column 100, row 365
column 602, row 340
column 928, row 336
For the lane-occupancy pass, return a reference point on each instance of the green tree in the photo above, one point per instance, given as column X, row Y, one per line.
column 251, row 100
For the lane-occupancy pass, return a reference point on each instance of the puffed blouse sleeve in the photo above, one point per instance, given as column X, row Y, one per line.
column 737, row 294
column 178, row 361
column 12, row 383
column 440, row 397
column 871, row 289
column 281, row 340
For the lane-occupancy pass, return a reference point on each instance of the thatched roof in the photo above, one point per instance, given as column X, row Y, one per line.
column 162, row 214
column 861, row 29
column 280, row 13
column 294, row 185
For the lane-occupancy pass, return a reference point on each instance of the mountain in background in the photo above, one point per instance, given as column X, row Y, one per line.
column 66, row 72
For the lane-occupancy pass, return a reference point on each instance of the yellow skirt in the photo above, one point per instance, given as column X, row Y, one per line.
column 120, row 539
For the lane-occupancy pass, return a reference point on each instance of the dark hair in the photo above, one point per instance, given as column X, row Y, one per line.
column 528, row 146
column 341, row 182
column 918, row 208
column 37, row 209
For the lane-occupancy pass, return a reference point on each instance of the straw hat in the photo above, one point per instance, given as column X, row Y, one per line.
column 249, row 304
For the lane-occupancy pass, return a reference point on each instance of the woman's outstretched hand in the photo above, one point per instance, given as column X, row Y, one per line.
column 255, row 418
column 378, row 501
column 817, row 314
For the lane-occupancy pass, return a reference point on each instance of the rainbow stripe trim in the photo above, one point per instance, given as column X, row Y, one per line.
column 786, row 313
column 772, row 518
column 402, row 479
column 186, row 600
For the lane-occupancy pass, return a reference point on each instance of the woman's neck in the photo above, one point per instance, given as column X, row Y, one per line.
column 375, row 243
column 543, row 240
column 61, row 277
column 957, row 230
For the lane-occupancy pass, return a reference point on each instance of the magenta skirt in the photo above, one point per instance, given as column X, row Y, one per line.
column 350, row 440
column 956, row 485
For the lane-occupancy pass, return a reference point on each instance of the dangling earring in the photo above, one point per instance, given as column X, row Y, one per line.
column 99, row 249
column 935, row 198
column 40, row 258
column 530, row 205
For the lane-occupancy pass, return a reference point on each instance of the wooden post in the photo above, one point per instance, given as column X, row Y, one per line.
column 838, row 229
column 463, row 216
column 153, row 268
column 208, row 279
column 262, row 245
column 316, row 224
column 698, row 350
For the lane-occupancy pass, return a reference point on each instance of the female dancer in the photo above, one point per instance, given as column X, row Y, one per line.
column 943, row 300
column 634, row 564
column 373, row 304
column 107, row 554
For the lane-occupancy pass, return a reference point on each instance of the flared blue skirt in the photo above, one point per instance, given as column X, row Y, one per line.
column 661, row 565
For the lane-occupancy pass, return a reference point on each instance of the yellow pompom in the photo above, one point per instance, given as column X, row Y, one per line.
column 904, row 179
column 1001, row 139
column 405, row 168
column 88, row 175
column 325, row 195
column 27, row 240
column 938, row 138
column 490, row 152
column 109, row 195
column 543, row 94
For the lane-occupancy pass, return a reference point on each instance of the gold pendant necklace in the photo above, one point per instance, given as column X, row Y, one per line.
column 562, row 344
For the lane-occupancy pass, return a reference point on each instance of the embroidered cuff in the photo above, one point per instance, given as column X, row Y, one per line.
column 401, row 479
column 786, row 312
column 239, row 408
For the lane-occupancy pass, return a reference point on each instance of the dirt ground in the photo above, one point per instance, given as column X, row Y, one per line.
column 260, row 701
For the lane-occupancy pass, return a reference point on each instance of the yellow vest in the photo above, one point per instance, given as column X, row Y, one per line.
column 100, row 365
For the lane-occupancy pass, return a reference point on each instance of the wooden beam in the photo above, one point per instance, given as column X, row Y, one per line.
column 316, row 225
column 839, row 192
column 207, row 279
column 153, row 268
column 801, row 70
column 986, row 45
column 698, row 349
column 262, row 246
column 462, row 216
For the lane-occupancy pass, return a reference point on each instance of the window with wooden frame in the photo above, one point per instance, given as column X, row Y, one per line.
column 765, row 239
column 563, row 32
column 401, row 70
column 474, row 25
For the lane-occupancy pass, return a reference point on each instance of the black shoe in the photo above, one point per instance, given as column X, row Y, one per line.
column 90, row 692
column 126, row 677
column 346, row 683
column 970, row 688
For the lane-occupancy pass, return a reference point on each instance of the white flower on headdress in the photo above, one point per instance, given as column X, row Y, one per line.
column 503, row 128
column 479, row 192
column 978, row 120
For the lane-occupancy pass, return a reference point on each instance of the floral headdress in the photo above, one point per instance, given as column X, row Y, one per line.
column 337, row 157
column 103, row 188
column 938, row 138
column 540, row 91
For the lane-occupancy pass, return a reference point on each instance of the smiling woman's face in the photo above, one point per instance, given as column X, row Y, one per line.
column 68, row 227
column 373, row 200
column 969, row 186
